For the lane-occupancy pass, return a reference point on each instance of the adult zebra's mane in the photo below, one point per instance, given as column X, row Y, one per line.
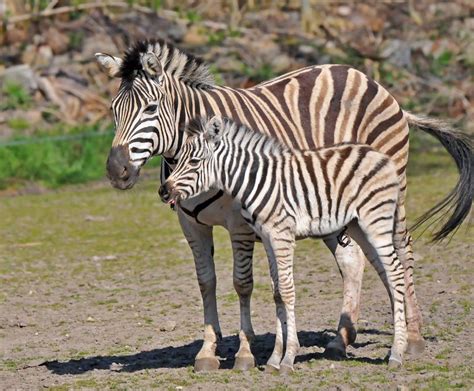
column 232, row 129
column 185, row 67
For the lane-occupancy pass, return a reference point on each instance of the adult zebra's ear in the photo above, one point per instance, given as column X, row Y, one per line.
column 109, row 63
column 151, row 65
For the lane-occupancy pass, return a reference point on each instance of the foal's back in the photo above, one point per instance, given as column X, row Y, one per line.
column 327, row 188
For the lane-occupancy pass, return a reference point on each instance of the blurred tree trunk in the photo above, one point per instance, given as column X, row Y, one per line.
column 306, row 16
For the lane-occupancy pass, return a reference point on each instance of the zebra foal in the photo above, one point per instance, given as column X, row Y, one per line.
column 288, row 194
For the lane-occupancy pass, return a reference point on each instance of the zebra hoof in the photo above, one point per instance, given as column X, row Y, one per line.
column 394, row 363
column 244, row 363
column 415, row 347
column 271, row 369
column 286, row 370
column 335, row 351
column 206, row 364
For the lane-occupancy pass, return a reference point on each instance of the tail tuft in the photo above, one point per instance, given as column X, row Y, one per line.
column 458, row 202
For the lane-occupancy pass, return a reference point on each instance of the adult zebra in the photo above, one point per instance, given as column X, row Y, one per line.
column 162, row 88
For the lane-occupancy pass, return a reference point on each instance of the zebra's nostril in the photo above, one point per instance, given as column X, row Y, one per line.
column 164, row 193
column 124, row 173
column 160, row 190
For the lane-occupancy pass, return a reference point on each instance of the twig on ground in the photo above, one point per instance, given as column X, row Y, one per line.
column 80, row 7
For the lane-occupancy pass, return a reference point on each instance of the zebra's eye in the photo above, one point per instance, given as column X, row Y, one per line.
column 194, row 162
column 150, row 109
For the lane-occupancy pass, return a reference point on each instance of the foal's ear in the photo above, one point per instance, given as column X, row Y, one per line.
column 214, row 129
column 109, row 64
column 151, row 65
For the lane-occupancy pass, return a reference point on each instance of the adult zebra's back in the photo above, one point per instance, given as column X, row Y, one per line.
column 162, row 88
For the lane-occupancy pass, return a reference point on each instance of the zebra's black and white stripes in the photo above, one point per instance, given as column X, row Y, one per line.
column 287, row 194
column 163, row 88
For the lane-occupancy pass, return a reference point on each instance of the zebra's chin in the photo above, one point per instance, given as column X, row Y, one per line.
column 125, row 182
column 176, row 198
column 121, row 172
column 124, row 185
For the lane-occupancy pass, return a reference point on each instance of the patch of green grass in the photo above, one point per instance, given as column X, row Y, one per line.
column 230, row 298
column 444, row 354
column 262, row 73
column 14, row 96
column 466, row 305
column 76, row 39
column 216, row 38
column 434, row 307
column 107, row 302
column 55, row 162
column 118, row 350
column 62, row 155
column 193, row 16
column 147, row 320
column 9, row 365
column 18, row 124
column 78, row 384
column 428, row 366
column 440, row 63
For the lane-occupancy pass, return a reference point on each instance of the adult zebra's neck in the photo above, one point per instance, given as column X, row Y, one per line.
column 243, row 160
column 191, row 102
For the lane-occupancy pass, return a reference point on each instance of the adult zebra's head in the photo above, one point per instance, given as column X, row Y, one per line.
column 147, row 109
column 195, row 172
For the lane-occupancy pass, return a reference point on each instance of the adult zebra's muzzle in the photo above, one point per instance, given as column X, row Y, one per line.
column 121, row 172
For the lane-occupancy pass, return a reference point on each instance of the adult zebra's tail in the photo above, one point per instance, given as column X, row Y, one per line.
column 460, row 147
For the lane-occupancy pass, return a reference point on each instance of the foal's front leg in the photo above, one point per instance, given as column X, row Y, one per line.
column 243, row 240
column 280, row 252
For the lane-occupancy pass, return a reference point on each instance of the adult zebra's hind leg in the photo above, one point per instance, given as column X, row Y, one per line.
column 403, row 244
column 243, row 239
column 351, row 262
column 200, row 240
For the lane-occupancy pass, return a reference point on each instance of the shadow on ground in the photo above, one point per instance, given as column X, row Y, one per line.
column 183, row 356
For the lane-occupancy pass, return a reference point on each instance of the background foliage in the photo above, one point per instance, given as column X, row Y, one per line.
column 422, row 51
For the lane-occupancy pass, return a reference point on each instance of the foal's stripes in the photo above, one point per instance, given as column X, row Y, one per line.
column 287, row 194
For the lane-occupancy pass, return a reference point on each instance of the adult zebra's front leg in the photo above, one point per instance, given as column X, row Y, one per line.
column 200, row 240
column 243, row 240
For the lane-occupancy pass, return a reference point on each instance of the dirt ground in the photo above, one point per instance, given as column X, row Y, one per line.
column 98, row 291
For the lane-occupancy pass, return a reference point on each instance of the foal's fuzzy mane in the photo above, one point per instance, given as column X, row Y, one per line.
column 198, row 125
column 185, row 67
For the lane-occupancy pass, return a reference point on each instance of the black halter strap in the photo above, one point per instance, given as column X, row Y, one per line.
column 343, row 239
column 166, row 169
column 199, row 208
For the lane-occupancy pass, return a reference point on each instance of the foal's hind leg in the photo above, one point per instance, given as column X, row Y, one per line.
column 351, row 262
column 280, row 250
column 377, row 242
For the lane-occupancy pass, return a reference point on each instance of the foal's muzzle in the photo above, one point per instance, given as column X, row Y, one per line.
column 165, row 192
